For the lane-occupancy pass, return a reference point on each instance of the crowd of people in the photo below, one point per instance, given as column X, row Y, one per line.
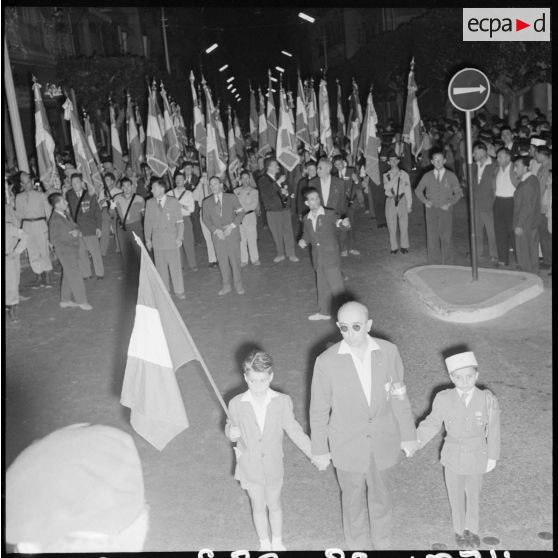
column 511, row 177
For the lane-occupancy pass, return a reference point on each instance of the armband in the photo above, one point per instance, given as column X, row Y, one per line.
column 398, row 390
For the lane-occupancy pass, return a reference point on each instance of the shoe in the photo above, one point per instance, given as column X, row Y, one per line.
column 277, row 546
column 47, row 279
column 393, row 251
column 100, row 277
column 382, row 226
column 212, row 264
column 294, row 259
column 12, row 313
column 85, row 306
column 318, row 316
column 26, row 298
column 224, row 291
column 544, row 266
column 181, row 296
column 344, row 253
column 461, row 541
column 256, row 262
column 278, row 259
column 404, row 251
column 354, row 252
column 471, row 538
column 240, row 291
column 68, row 304
column 265, row 545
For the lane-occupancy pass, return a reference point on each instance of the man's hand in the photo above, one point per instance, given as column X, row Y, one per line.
column 410, row 447
column 445, row 207
column 346, row 223
column 302, row 243
column 354, row 177
column 74, row 233
column 428, row 204
column 490, row 465
column 518, row 231
column 98, row 233
column 148, row 244
column 228, row 229
column 178, row 242
column 321, row 461
column 281, row 179
column 112, row 205
column 219, row 234
column 234, row 433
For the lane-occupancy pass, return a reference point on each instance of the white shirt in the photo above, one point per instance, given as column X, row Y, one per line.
column 504, row 185
column 363, row 367
column 467, row 399
column 260, row 407
column 162, row 200
column 186, row 202
column 482, row 166
column 326, row 185
column 314, row 218
column 439, row 174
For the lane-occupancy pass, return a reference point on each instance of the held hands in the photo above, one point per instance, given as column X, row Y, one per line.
column 321, row 461
column 490, row 465
column 346, row 223
column 410, row 447
column 428, row 204
column 445, row 207
column 148, row 244
column 302, row 243
column 98, row 233
column 220, row 234
column 228, row 230
column 178, row 242
column 518, row 231
column 234, row 433
column 75, row 233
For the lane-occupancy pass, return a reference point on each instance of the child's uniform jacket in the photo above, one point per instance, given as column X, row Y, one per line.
column 259, row 456
column 472, row 432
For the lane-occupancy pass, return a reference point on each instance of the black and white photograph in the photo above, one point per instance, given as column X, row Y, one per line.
column 277, row 279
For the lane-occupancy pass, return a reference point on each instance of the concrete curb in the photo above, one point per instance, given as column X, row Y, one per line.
column 530, row 286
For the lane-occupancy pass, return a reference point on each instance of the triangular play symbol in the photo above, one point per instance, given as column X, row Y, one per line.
column 519, row 25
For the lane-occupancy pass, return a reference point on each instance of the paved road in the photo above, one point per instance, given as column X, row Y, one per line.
column 66, row 366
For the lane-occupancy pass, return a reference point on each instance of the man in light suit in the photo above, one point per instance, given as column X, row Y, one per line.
column 360, row 418
column 222, row 215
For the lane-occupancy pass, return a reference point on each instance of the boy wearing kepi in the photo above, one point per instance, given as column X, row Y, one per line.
column 471, row 417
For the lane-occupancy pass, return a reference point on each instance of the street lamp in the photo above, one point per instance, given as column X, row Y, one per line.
column 279, row 69
column 302, row 15
column 230, row 79
column 273, row 79
column 230, row 86
column 286, row 53
column 223, row 68
column 211, row 48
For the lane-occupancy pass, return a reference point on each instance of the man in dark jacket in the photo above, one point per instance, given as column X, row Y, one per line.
column 331, row 188
column 86, row 212
column 526, row 210
column 320, row 231
column 485, row 193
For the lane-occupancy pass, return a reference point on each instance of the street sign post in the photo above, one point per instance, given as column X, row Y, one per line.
column 468, row 90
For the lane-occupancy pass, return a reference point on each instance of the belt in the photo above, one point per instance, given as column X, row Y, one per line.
column 34, row 219
column 248, row 212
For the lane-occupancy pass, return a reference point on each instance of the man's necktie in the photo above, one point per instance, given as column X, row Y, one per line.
column 160, row 204
column 219, row 206
column 465, row 398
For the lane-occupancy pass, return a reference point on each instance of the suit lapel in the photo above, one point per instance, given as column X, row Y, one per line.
column 352, row 376
column 377, row 385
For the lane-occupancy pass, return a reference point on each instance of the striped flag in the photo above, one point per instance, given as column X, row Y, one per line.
column 412, row 126
column 234, row 163
column 178, row 123
column 326, row 138
column 200, row 135
column 134, row 146
column 302, row 132
column 216, row 166
column 355, row 121
column 313, row 127
column 253, row 116
column 271, row 115
column 290, row 107
column 155, row 154
column 263, row 140
column 172, row 144
column 44, row 143
column 372, row 142
column 159, row 345
column 90, row 139
column 221, row 137
column 341, row 126
column 286, row 139
column 85, row 162
column 141, row 133
column 239, row 140
column 117, row 159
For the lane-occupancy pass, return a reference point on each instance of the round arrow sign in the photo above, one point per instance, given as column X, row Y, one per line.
column 469, row 89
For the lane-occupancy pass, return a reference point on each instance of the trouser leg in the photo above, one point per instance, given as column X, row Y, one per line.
column 11, row 276
column 379, row 506
column 353, row 508
column 251, row 231
column 223, row 259
column 432, row 235
column 379, row 196
column 403, row 215
column 233, row 251
column 391, row 220
column 533, row 241
column 175, row 268
column 335, row 283
column 188, row 243
column 545, row 238
column 456, row 494
column 287, row 233
column 161, row 264
column 503, row 227
column 243, row 243
column 324, row 292
column 211, row 256
column 488, row 222
column 84, row 263
column 92, row 245
column 472, row 487
column 37, row 246
column 275, row 226
column 105, row 231
column 72, row 280
column 445, row 232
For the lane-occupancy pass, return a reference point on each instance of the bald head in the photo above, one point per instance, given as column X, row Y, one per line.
column 353, row 311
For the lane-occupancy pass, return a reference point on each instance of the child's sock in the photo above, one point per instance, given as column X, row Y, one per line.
column 265, row 545
column 277, row 544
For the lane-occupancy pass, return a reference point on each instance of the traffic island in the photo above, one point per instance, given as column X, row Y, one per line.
column 451, row 294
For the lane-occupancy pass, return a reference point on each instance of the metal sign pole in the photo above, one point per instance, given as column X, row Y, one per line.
column 474, row 263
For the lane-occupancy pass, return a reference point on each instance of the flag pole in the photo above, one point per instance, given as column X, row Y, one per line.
column 185, row 330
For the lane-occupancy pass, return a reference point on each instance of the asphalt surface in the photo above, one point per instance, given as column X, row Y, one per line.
column 66, row 366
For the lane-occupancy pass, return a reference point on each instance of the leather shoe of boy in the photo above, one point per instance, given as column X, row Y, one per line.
column 472, row 538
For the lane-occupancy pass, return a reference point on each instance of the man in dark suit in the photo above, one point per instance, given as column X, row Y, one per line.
column 331, row 188
column 353, row 193
column 276, row 200
column 526, row 211
column 484, row 188
column 64, row 235
column 320, row 231
column 361, row 419
column 222, row 215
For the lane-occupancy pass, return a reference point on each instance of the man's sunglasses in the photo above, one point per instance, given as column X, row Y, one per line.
column 345, row 328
